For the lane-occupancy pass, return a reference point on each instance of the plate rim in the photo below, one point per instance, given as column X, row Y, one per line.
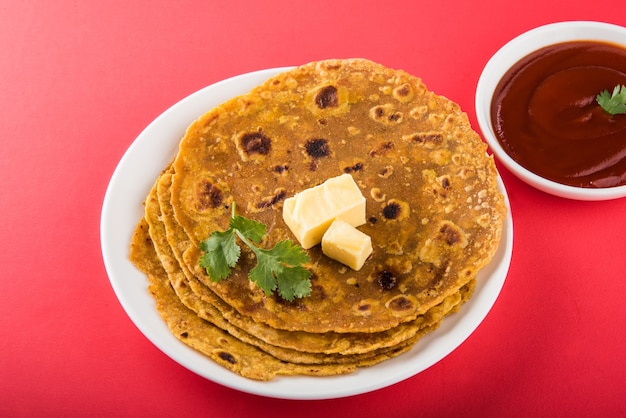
column 451, row 334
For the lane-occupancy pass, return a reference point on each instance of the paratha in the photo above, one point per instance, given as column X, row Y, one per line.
column 434, row 214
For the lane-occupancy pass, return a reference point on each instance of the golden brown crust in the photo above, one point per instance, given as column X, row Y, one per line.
column 434, row 213
column 428, row 182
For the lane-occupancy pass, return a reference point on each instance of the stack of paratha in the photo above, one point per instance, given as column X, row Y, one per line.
column 433, row 212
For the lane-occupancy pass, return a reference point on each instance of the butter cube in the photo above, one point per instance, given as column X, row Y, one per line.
column 346, row 244
column 309, row 213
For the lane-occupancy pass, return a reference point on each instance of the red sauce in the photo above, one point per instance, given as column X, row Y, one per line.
column 546, row 117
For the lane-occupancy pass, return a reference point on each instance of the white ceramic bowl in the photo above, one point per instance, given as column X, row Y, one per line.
column 510, row 54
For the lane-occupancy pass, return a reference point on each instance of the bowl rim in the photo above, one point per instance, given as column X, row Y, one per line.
column 509, row 54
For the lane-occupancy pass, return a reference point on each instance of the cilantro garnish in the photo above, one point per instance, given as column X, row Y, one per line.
column 279, row 268
column 614, row 103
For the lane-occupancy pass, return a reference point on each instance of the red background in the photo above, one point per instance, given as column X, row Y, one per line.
column 80, row 80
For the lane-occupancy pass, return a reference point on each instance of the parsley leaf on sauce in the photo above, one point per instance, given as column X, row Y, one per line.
column 614, row 103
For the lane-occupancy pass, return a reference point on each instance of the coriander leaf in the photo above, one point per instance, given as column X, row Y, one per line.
column 221, row 254
column 294, row 283
column 252, row 230
column 263, row 273
column 279, row 268
column 613, row 103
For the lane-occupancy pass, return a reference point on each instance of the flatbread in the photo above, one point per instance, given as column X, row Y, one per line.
column 434, row 214
column 433, row 208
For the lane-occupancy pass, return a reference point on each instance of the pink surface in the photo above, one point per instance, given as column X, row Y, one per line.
column 79, row 81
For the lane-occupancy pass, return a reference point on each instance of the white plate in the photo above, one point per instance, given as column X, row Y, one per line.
column 122, row 209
